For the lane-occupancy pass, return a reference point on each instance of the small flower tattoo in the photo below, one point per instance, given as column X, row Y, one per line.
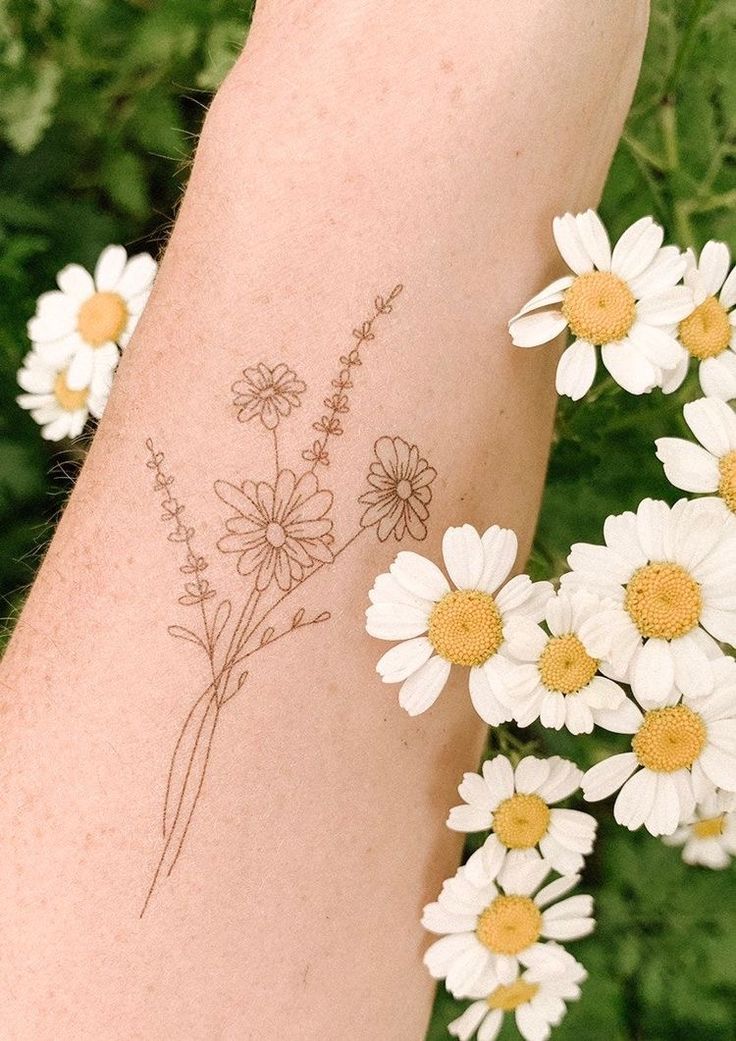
column 279, row 531
column 400, row 491
column 270, row 394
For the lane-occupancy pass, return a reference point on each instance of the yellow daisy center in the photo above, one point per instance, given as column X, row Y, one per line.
column 509, row 924
column 102, row 318
column 68, row 399
column 521, row 820
column 669, row 739
column 599, row 307
column 664, row 601
column 565, row 665
column 465, row 627
column 727, row 484
column 706, row 332
column 507, row 997
column 711, row 828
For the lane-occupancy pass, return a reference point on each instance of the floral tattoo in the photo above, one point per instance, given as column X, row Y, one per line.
column 278, row 533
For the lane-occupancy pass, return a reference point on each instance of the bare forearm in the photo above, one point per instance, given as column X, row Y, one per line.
column 356, row 152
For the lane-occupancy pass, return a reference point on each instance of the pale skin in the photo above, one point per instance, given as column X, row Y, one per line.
column 356, row 145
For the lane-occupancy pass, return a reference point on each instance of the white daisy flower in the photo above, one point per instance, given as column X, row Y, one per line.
column 440, row 627
column 492, row 927
column 679, row 753
column 81, row 324
column 60, row 410
column 708, row 837
column 517, row 806
column 627, row 302
column 709, row 333
column 710, row 466
column 537, row 998
column 669, row 574
column 569, row 691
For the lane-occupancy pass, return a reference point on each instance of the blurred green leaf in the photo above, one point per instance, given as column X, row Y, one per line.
column 26, row 104
column 124, row 179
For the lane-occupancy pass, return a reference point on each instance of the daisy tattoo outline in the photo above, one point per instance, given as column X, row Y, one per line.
column 280, row 532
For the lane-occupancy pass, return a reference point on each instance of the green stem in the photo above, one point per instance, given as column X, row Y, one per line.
column 686, row 41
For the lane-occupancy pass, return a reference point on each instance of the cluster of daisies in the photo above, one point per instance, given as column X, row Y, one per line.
column 633, row 640
column 76, row 337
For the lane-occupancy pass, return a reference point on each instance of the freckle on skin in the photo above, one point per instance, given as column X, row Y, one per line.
column 446, row 65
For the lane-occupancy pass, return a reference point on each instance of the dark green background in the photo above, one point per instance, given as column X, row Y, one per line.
column 100, row 103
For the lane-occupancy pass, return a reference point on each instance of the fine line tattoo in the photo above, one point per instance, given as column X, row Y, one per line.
column 279, row 532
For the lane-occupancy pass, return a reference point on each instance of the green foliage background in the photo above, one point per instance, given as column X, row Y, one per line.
column 100, row 102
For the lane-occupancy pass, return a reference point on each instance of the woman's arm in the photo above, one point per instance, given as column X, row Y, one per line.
column 359, row 149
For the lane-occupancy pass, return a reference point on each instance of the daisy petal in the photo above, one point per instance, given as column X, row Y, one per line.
column 137, row 276
column 688, row 466
column 693, row 670
column 532, row 330
column 485, row 700
column 714, row 424
column 420, row 576
column 713, row 266
column 653, row 673
column 629, row 367
column 551, row 294
column 657, row 346
column 500, row 547
column 420, row 691
column 637, row 248
column 719, row 767
column 718, row 376
column 462, row 550
column 664, row 813
column 474, row 790
column 635, row 800
column 672, row 379
column 554, row 890
column 468, row 819
column 652, row 526
column 466, row 1025
column 109, row 268
column 662, row 274
column 76, row 281
column 605, row 777
column 570, row 245
column 626, row 719
column 531, row 773
column 387, row 621
column 499, row 776
column 404, row 659
column 491, row 1025
column 595, row 239
column 666, row 308
column 81, row 368
column 720, row 624
column 576, row 370
column 728, row 292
